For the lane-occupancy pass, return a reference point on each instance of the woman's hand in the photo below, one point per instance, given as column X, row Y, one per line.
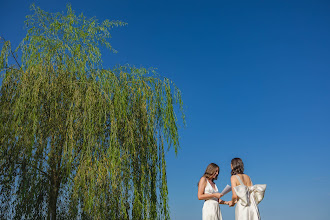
column 217, row 195
column 223, row 202
column 230, row 203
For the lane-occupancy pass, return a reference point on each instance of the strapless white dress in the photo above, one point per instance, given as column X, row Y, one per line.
column 249, row 198
column 211, row 208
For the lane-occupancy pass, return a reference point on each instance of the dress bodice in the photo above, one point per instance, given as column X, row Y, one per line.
column 211, row 208
column 209, row 189
column 249, row 194
column 249, row 198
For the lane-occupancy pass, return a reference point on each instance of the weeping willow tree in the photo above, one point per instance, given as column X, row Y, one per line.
column 77, row 140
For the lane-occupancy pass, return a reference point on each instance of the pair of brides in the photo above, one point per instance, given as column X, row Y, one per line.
column 245, row 195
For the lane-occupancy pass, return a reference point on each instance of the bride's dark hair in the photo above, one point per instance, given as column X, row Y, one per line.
column 238, row 166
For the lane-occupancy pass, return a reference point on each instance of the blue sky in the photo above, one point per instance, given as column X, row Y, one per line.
column 255, row 81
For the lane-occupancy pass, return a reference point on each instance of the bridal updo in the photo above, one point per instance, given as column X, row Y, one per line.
column 238, row 166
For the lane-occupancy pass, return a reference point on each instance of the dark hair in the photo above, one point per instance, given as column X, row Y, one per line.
column 238, row 166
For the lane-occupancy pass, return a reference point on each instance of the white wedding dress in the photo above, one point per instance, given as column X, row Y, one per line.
column 211, row 208
column 249, row 198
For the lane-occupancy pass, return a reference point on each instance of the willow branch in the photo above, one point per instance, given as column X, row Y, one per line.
column 34, row 167
column 12, row 53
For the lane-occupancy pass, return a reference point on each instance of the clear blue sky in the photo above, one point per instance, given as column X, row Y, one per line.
column 255, row 78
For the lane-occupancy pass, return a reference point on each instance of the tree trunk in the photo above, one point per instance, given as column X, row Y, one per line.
column 53, row 194
column 55, row 179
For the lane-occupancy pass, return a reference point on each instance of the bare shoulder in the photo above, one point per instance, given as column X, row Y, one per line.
column 202, row 180
column 246, row 176
column 233, row 181
column 247, row 180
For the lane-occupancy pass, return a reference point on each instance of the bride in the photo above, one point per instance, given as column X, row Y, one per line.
column 246, row 195
column 208, row 191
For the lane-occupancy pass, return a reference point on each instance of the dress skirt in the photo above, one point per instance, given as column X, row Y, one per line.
column 246, row 212
column 211, row 210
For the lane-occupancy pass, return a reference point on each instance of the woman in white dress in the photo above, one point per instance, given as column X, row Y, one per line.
column 245, row 195
column 208, row 191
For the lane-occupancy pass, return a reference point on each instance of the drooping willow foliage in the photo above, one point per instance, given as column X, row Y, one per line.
column 76, row 140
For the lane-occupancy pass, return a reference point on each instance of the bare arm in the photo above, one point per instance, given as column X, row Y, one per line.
column 204, row 196
column 234, row 197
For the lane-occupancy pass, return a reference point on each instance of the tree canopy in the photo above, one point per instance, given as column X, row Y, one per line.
column 78, row 140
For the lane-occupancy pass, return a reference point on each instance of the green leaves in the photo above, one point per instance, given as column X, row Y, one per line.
column 4, row 54
column 79, row 141
column 67, row 39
